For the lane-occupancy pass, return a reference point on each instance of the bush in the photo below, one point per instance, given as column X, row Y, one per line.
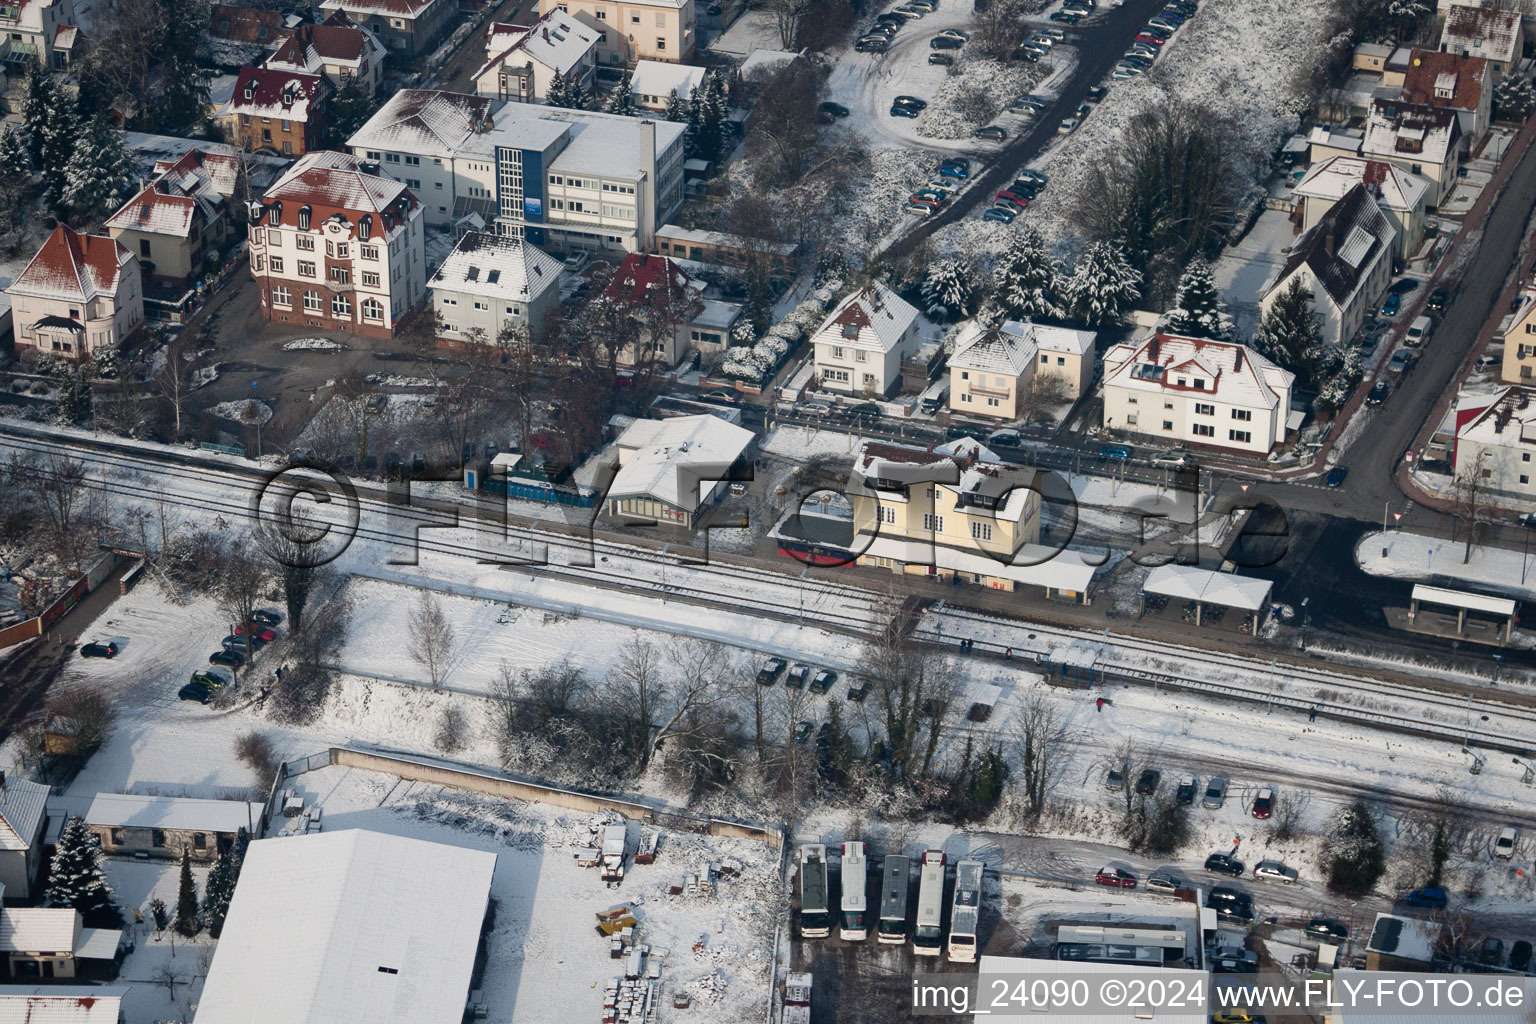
column 451, row 727
column 1358, row 856
column 255, row 749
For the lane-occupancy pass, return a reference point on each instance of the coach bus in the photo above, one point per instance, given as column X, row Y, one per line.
column 855, row 923
column 893, row 900
column 815, row 918
column 965, row 919
column 928, row 938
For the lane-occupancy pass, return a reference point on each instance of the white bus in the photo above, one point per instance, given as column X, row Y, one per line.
column 965, row 919
column 928, row 939
column 855, row 923
column 815, row 918
column 893, row 900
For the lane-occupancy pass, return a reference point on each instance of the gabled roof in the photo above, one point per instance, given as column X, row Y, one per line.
column 1481, row 32
column 659, row 78
column 246, row 24
column 333, row 184
column 1509, row 420
column 1341, row 247
column 162, row 208
column 1393, row 187
column 1417, row 131
column 557, row 40
column 1230, row 373
column 39, row 929
column 22, row 807
column 498, row 265
column 1012, row 346
column 311, row 47
column 349, row 926
column 274, row 92
column 1431, row 74
column 383, row 8
column 212, row 175
column 872, row 317
column 1005, row 487
column 427, row 121
column 645, row 280
column 61, row 1004
column 72, row 266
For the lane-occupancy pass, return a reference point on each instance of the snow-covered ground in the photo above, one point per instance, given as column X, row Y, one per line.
column 1418, row 557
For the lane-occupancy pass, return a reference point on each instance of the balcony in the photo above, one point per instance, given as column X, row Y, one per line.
column 14, row 51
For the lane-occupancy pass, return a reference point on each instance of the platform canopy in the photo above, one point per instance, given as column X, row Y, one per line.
column 1501, row 606
column 1189, row 583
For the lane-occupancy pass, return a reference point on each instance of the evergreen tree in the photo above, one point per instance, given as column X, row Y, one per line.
column 1026, row 277
column 1197, row 307
column 52, row 125
column 237, row 854
column 187, row 921
column 75, row 878
column 18, row 188
column 1513, row 98
column 1103, row 285
column 581, row 99
column 73, row 380
column 1358, row 856
column 217, row 892
column 835, row 749
column 1291, row 334
column 184, row 99
column 622, row 100
column 1344, row 373
column 101, row 175
column 1407, row 14
column 350, row 109
column 949, row 291
column 706, row 117
column 560, row 93
column 676, row 110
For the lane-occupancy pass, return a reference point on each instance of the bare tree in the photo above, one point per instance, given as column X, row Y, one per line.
column 1290, row 809
column 301, row 693
column 430, row 636
column 784, row 131
column 169, row 975
column 913, row 685
column 1471, row 508
column 60, row 489
column 243, row 578
column 701, row 671
column 995, row 29
column 637, row 690
column 1431, row 835
column 174, row 382
column 256, row 749
column 1043, row 745
column 788, row 16
column 452, row 726
column 83, row 714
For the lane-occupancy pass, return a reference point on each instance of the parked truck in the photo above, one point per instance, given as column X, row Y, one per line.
column 614, row 839
column 797, row 999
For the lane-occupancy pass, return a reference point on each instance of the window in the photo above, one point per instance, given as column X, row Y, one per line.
column 370, row 279
column 933, row 523
column 887, row 513
column 1525, row 456
column 341, row 306
column 287, row 126
column 634, row 19
column 1524, row 479
column 966, row 398
column 994, row 402
column 413, row 183
column 860, row 355
column 1203, row 430
column 199, row 841
column 1202, row 409
column 661, row 44
column 117, row 837
column 342, row 252
column 256, row 260
column 312, row 302
column 661, row 20
column 156, row 837
column 413, row 161
column 1487, row 474
column 282, row 297
column 391, row 158
column 304, row 242
column 1200, row 383
column 276, row 263
column 373, row 154
column 341, row 275
column 306, row 268
column 274, row 237
column 1246, row 415
column 1167, row 424
column 1132, row 400
column 1044, row 359
column 981, row 531
column 1242, row 436
column 1131, row 419
column 373, row 309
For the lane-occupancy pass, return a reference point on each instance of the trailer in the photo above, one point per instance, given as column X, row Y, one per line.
column 893, row 900
column 815, row 916
column 855, row 922
column 797, row 999
column 965, row 918
column 615, row 839
column 928, row 937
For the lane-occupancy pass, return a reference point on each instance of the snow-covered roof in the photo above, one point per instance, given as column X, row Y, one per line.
column 657, row 79
column 557, row 40
column 1508, row 421
column 162, row 208
column 1481, row 32
column 408, row 9
column 38, row 929
column 70, row 266
column 350, row 925
column 1226, row 371
column 98, row 943
column 273, row 92
column 333, row 183
column 723, row 239
column 1342, row 247
column 1393, row 187
column 1191, row 583
column 127, row 810
column 1005, row 488
column 641, row 278
column 611, row 145
column 220, row 163
column 664, row 459
column 1405, row 937
column 338, row 40
column 61, row 1004
column 498, row 265
column 874, row 317
column 1461, row 599
column 717, row 314
column 1011, row 347
column 766, row 60
column 1032, row 565
column 22, row 806
column 425, row 121
column 1397, row 128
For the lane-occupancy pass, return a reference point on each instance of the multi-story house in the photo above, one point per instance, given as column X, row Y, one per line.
column 1344, row 260
column 276, row 111
column 1399, row 194
column 993, row 369
column 38, row 30
column 408, row 27
column 337, row 49
column 173, row 227
column 860, row 347
column 1496, row 448
column 663, row 300
column 1519, row 366
column 521, row 64
column 338, row 249
column 1218, row 394
column 1464, row 84
column 490, row 283
column 1422, row 139
column 80, row 295
column 1494, row 33
column 643, row 29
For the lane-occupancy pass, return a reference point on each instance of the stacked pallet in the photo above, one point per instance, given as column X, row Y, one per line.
column 631, row 1000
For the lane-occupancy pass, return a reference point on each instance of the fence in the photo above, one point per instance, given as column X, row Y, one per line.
column 50, row 616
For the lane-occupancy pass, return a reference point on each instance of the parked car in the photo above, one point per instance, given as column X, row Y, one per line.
column 1504, row 846
column 100, row 649
column 1039, row 177
column 1392, row 305
column 954, row 33
column 1327, row 929
column 243, row 644
column 954, row 170
column 1336, row 476
column 575, row 261
column 872, row 44
column 1166, row 881
column 1114, row 779
column 1235, row 914
column 797, row 676
column 1403, row 285
column 229, row 659
column 1520, row 956
column 267, row 617
column 1055, row 33
column 1418, row 331
column 997, row 213
column 1147, row 37
column 1215, row 792
column 945, row 43
column 1066, row 17
column 823, row 680
column 1226, row 894
column 1148, row 781
column 1116, row 877
column 1178, row 458
column 991, row 132
column 1274, row 871
column 1378, row 393
column 1188, row 787
column 1011, row 196
column 1235, row 960
column 1067, row 127
column 1097, row 93
column 200, row 692
column 803, row 731
column 902, row 110
column 1491, row 953
column 1224, row 864
column 266, row 634
column 1114, row 451
column 769, row 671
column 1264, row 803
column 921, row 209
column 1401, row 362
column 1436, row 301
column 942, row 59
column 834, row 109
column 1432, row 897
column 213, row 678
column 858, row 689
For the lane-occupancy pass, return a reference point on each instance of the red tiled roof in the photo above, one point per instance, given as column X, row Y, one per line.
column 74, row 266
column 333, row 42
column 1425, row 68
column 640, row 278
column 331, row 184
column 269, row 92
column 245, row 24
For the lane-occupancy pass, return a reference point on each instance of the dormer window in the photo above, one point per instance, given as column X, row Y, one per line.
column 304, row 214
column 365, row 226
column 275, row 214
column 1200, row 383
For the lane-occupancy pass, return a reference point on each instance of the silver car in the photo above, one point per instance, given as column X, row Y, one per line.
column 1274, row 871
column 1164, row 882
column 1215, row 793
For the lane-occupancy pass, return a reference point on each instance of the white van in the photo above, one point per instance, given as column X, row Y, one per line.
column 1418, row 331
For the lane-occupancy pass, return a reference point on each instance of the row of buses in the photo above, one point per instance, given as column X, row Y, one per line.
column 892, row 926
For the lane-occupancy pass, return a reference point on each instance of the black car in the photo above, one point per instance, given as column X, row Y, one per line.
column 823, row 680
column 100, row 649
column 769, row 672
column 1437, row 300
column 1225, row 864
column 1404, row 285
column 1235, row 913
column 1520, row 956
column 231, row 659
column 1328, row 929
column 1148, row 781
column 834, row 109
column 857, row 691
column 200, row 692
column 865, row 414
column 267, row 617
column 1097, row 93
column 1226, row 894
column 1379, row 392
column 1491, row 953
column 945, row 43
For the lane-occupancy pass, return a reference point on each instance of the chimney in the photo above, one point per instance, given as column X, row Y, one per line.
column 1157, row 344
column 1238, row 365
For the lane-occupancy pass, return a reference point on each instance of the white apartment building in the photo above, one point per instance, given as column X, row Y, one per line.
column 522, row 62
column 860, row 347
column 40, row 30
column 1497, row 446
column 1195, row 391
column 338, row 249
column 491, row 282
column 1399, row 194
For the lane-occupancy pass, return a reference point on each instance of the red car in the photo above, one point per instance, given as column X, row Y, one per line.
column 1115, row 878
column 1264, row 803
column 1144, row 38
column 266, row 634
column 1013, row 197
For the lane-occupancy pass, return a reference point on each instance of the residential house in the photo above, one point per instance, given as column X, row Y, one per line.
column 409, row 28
column 80, row 295
column 1324, row 143
column 490, row 283
column 276, row 111
column 1218, row 394
column 654, row 81
column 1519, row 365
column 174, row 227
column 860, row 347
column 23, row 812
column 1495, row 34
column 670, row 470
column 1371, row 57
column 1402, row 944
column 222, row 170
column 62, row 1004
column 611, row 45
column 161, row 826
column 1497, row 447
column 1424, row 140
column 521, row 64
column 337, row 49
column 763, row 62
column 1399, row 194
column 642, row 29
column 337, row 249
column 663, row 300
column 44, row 31
column 257, row 26
column 51, row 942
column 1449, row 80
column 722, row 248
column 1344, row 260
column 993, row 369
column 710, row 331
